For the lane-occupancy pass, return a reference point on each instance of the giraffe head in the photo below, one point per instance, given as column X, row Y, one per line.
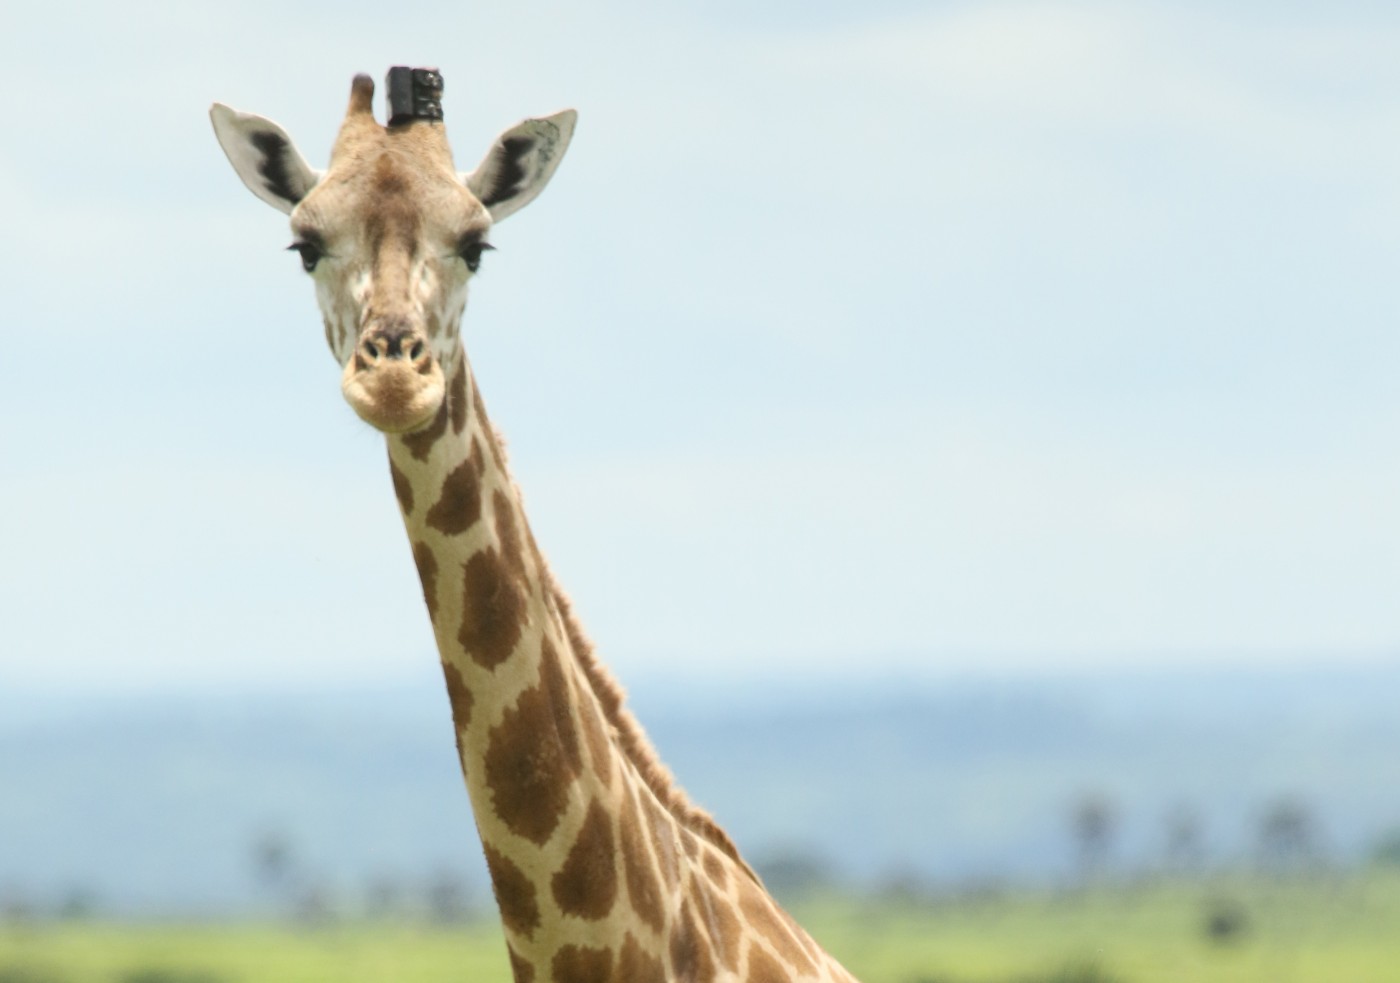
column 391, row 234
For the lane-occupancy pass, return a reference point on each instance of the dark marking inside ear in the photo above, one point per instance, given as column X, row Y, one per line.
column 510, row 172
column 276, row 177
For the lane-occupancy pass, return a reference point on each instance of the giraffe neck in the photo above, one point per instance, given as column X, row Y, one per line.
column 601, row 869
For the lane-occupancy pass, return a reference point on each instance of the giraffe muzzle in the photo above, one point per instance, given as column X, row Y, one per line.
column 390, row 341
column 392, row 381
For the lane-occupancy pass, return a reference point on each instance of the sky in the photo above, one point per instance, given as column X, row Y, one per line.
column 848, row 340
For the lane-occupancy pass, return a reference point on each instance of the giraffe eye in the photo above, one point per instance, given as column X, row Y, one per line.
column 470, row 250
column 311, row 253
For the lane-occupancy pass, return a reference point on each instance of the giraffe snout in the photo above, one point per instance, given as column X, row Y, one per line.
column 389, row 340
column 393, row 381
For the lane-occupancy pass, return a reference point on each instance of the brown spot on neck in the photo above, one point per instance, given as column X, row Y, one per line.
column 529, row 767
column 420, row 442
column 662, row 827
column 454, row 401
column 638, row 866
column 459, row 696
column 515, row 894
column 629, row 738
column 459, row 506
column 581, row 964
column 427, row 566
column 403, row 491
column 714, row 868
column 600, row 749
column 760, row 912
column 493, row 609
column 586, row 885
column 561, row 703
column 520, row 968
column 690, row 955
column 636, row 965
column 479, row 408
column 800, row 934
column 507, row 531
column 457, row 396
column 721, row 923
column 763, row 968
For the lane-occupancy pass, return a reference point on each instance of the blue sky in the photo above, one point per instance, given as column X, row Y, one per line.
column 940, row 338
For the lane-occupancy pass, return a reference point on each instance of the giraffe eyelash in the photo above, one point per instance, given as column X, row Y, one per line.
column 311, row 253
column 471, row 251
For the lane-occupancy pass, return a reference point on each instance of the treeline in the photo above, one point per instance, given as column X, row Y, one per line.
column 1289, row 841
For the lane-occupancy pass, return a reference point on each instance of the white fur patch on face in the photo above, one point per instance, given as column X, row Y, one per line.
column 425, row 284
column 451, row 304
column 437, row 300
column 359, row 289
column 343, row 301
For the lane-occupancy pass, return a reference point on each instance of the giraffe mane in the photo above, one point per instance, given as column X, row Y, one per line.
column 612, row 698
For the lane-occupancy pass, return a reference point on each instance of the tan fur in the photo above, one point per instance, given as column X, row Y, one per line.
column 632, row 739
column 612, row 697
column 603, row 868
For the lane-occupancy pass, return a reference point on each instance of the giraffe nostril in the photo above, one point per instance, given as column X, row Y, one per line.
column 416, row 352
column 371, row 349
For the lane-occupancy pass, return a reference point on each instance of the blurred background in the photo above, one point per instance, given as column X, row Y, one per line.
column 968, row 429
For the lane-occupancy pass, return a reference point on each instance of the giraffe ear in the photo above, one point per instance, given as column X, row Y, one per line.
column 264, row 157
column 521, row 162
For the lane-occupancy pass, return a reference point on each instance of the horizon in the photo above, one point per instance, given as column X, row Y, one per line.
column 950, row 785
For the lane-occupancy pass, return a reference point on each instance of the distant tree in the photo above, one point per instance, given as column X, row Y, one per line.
column 1386, row 852
column 1226, row 922
column 1077, row 972
column 792, row 874
column 904, row 887
column 1093, row 823
column 447, row 897
column 78, row 904
column 273, row 860
column 1288, row 835
column 384, row 897
column 16, row 908
column 313, row 904
column 164, row 975
column 1185, row 841
column 25, row 973
column 281, row 874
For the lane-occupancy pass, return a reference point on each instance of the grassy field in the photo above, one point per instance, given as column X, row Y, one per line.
column 1313, row 932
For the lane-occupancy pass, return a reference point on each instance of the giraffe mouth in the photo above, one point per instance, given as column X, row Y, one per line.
column 395, row 396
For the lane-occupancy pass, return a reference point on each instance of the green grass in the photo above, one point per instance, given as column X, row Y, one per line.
column 1302, row 932
column 1313, row 932
column 346, row 953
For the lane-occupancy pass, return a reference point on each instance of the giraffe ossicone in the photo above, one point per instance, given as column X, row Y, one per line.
column 602, row 869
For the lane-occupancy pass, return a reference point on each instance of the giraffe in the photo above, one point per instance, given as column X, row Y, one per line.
column 602, row 868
